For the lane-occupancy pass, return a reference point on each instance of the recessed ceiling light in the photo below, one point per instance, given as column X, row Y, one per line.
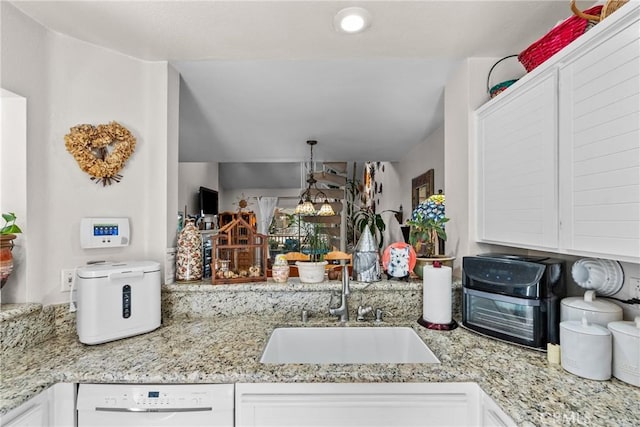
column 352, row 20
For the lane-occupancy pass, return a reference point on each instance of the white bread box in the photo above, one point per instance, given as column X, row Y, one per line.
column 626, row 351
column 117, row 300
column 585, row 349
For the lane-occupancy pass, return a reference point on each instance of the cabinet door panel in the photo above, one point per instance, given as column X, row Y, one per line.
column 614, row 55
column 318, row 405
column 600, row 149
column 517, row 195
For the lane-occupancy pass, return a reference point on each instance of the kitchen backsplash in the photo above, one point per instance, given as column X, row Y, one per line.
column 25, row 325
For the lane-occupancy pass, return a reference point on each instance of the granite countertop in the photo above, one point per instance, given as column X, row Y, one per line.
column 226, row 349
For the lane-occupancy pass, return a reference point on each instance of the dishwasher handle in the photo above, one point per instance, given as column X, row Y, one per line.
column 155, row 410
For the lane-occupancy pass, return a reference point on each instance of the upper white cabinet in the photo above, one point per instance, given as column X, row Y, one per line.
column 599, row 106
column 559, row 164
column 518, row 167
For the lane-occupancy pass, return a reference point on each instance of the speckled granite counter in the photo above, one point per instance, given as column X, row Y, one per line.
column 226, row 349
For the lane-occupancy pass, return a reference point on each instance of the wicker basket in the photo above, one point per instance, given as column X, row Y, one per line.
column 609, row 7
column 556, row 39
column 500, row 87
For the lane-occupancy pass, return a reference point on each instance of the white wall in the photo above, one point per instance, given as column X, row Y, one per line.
column 69, row 83
column 191, row 176
column 23, row 69
column 13, row 185
column 429, row 154
column 465, row 92
column 172, row 172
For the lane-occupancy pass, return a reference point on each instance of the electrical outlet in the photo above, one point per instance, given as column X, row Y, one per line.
column 66, row 279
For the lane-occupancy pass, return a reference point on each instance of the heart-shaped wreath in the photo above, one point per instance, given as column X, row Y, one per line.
column 90, row 145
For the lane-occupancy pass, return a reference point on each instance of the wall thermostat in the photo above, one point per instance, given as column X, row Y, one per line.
column 104, row 232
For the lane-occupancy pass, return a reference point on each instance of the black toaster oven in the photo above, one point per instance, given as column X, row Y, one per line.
column 513, row 298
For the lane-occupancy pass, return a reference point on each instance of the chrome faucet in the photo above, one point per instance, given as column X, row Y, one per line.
column 343, row 310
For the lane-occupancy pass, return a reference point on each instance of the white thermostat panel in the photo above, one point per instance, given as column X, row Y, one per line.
column 104, row 232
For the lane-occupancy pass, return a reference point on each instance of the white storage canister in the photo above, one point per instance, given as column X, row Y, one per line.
column 597, row 311
column 585, row 349
column 626, row 351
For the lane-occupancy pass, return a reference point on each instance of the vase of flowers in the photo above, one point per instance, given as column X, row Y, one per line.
column 427, row 227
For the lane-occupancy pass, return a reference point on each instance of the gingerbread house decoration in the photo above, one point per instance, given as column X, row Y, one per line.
column 239, row 254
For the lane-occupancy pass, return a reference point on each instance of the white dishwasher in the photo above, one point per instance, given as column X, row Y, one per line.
column 141, row 405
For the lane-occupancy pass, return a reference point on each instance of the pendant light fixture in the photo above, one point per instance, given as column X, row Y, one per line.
column 305, row 206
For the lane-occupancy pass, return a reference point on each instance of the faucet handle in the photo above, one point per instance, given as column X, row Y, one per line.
column 362, row 311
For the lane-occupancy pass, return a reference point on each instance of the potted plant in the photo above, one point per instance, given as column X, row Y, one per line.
column 366, row 217
column 312, row 271
column 427, row 226
column 7, row 235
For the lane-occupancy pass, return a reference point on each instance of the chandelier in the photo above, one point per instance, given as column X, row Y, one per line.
column 305, row 206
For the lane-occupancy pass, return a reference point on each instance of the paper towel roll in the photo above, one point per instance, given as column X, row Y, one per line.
column 436, row 302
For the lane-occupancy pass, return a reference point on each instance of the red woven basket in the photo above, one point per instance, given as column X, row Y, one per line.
column 552, row 42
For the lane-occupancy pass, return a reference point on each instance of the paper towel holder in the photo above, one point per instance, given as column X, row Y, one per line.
column 431, row 325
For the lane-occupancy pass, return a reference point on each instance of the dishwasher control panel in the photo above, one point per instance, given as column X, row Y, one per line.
column 122, row 404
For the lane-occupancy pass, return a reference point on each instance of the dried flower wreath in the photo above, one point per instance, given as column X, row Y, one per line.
column 89, row 146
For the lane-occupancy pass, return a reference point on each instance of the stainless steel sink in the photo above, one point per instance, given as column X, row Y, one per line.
column 348, row 345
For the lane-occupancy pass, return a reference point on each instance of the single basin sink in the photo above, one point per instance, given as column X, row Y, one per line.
column 347, row 345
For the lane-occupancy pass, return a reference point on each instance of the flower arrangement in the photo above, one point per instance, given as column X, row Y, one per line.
column 427, row 225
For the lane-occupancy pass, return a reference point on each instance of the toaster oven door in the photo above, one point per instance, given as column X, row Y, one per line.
column 516, row 320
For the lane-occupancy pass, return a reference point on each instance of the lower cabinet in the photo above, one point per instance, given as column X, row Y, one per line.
column 370, row 404
column 52, row 407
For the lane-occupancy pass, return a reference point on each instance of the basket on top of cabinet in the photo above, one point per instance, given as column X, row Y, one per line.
column 239, row 254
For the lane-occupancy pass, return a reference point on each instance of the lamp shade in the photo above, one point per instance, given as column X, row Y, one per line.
column 326, row 209
column 305, row 208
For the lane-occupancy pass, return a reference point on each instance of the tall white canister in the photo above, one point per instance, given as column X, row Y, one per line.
column 436, row 298
column 585, row 349
column 626, row 351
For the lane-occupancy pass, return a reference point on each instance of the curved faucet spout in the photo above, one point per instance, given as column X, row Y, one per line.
column 343, row 310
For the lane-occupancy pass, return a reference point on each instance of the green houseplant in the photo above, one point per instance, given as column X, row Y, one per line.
column 316, row 246
column 7, row 235
column 10, row 226
column 366, row 217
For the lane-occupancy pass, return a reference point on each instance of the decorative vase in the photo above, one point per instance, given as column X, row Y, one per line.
column 280, row 269
column 422, row 261
column 311, row 272
column 189, row 255
column 6, row 257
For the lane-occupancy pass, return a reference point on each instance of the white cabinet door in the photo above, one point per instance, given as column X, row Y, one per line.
column 517, row 166
column 365, row 404
column 54, row 406
column 600, row 147
column 33, row 413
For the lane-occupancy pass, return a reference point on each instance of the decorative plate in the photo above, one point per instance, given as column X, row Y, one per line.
column 398, row 259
